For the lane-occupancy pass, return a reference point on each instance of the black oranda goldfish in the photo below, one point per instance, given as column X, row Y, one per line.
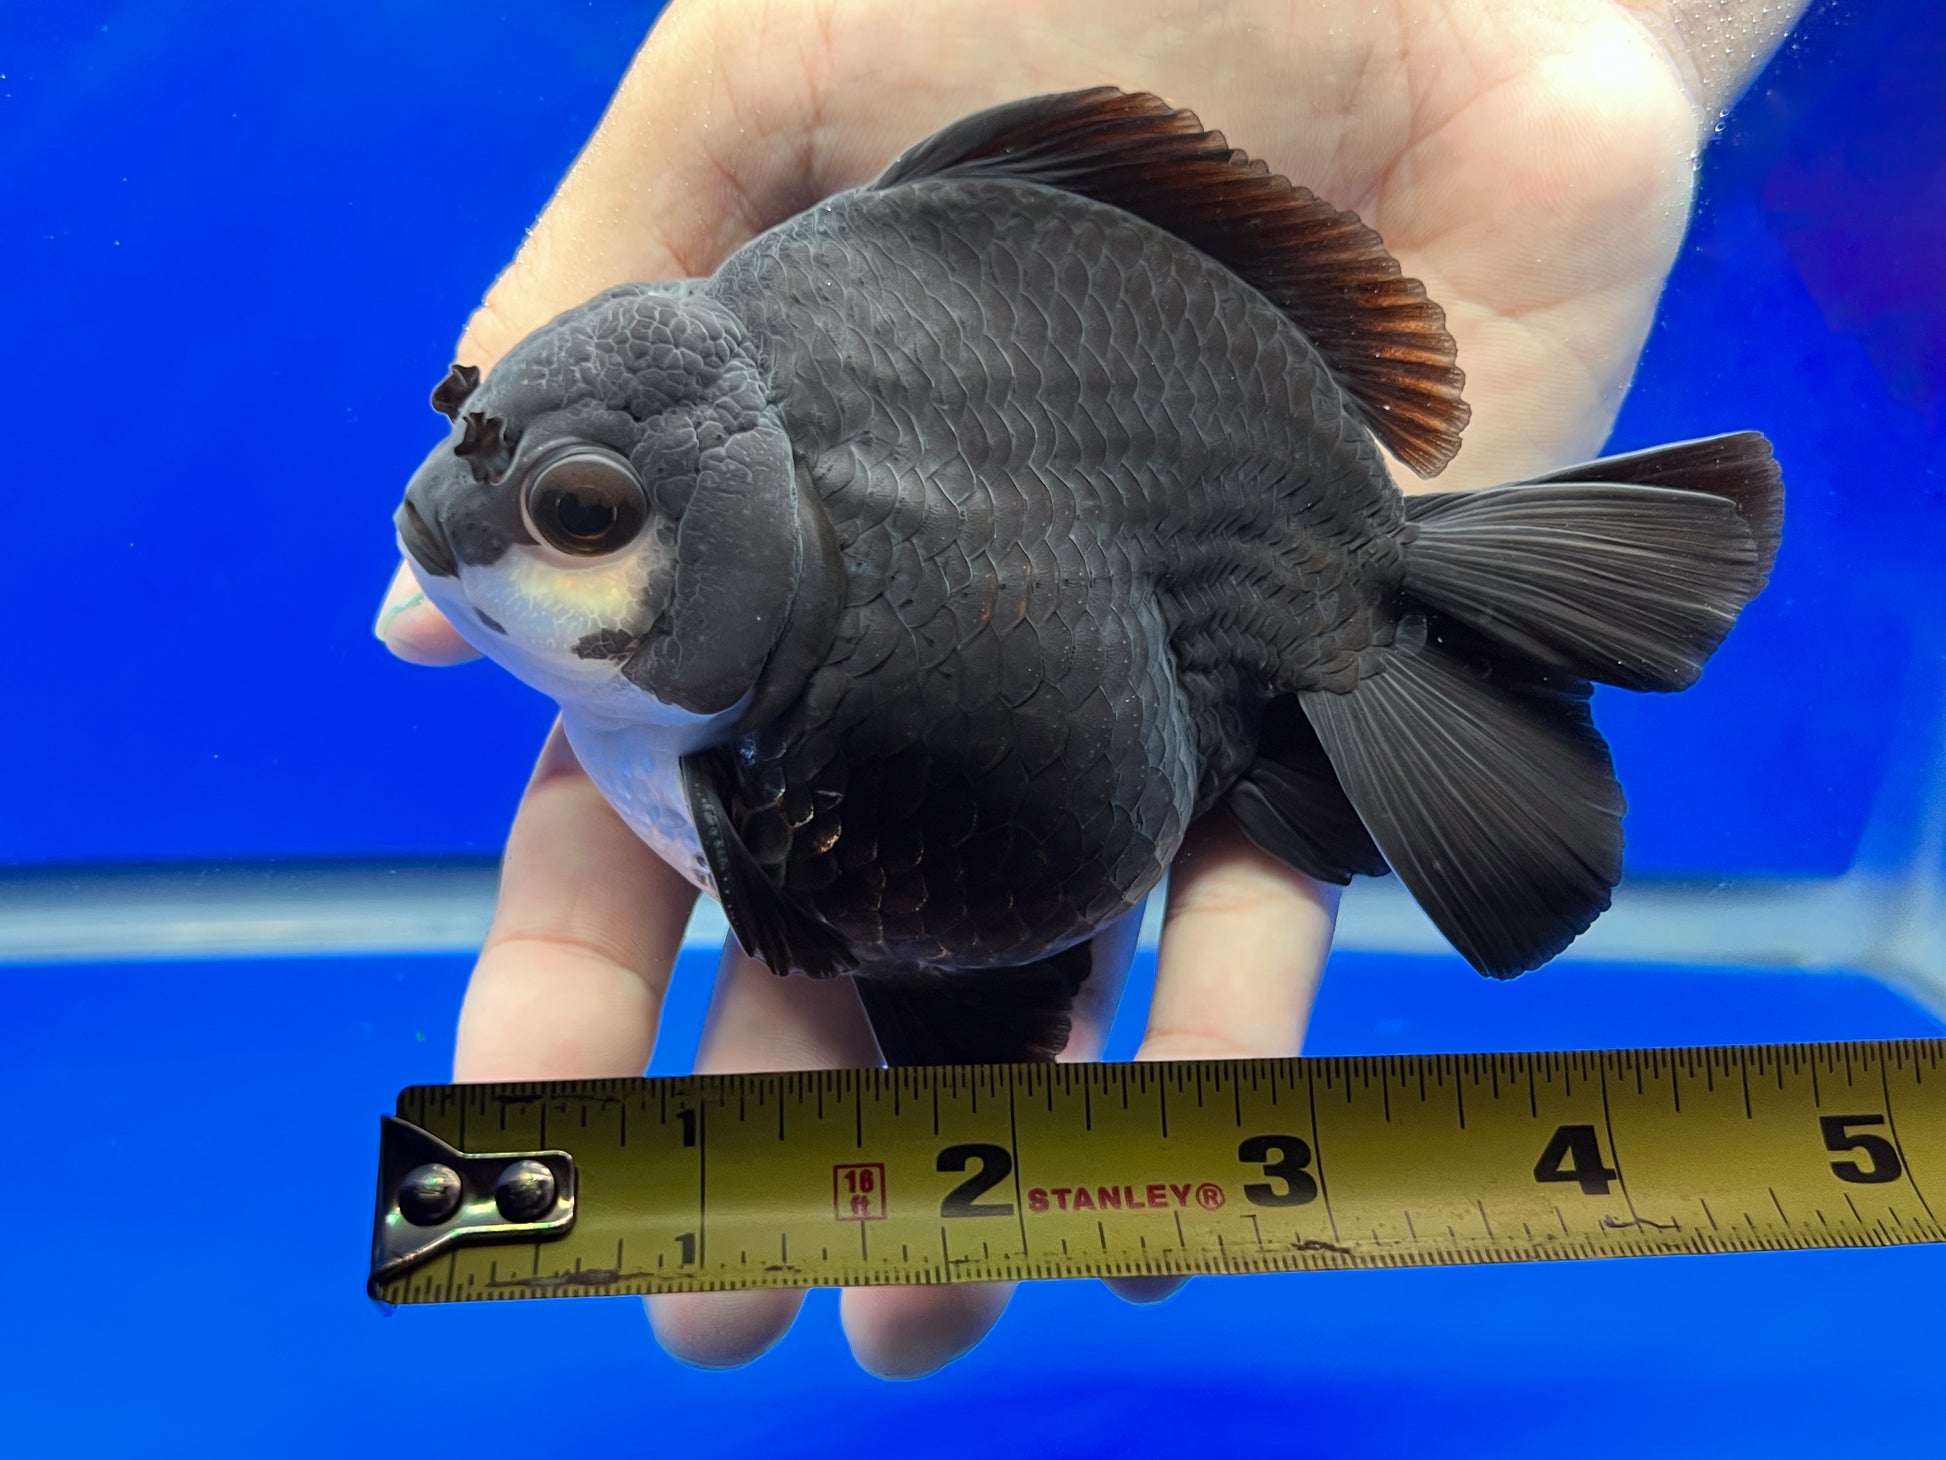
column 914, row 582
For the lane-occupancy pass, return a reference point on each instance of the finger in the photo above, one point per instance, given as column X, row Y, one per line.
column 758, row 1021
column 705, row 143
column 413, row 629
column 1244, row 940
column 1101, row 995
column 570, row 982
column 1718, row 45
column 909, row 1332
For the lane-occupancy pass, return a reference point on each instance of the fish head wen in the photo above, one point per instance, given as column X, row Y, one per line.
column 614, row 515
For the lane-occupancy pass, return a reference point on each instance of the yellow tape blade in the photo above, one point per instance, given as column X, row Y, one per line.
column 855, row 1177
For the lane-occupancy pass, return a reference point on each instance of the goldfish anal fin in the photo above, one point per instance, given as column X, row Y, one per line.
column 1384, row 341
column 989, row 1015
column 1291, row 804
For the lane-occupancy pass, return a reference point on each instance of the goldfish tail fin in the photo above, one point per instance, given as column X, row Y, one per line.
column 1485, row 785
column 1467, row 748
column 1629, row 570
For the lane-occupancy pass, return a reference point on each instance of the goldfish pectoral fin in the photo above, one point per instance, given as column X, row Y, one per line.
column 1629, row 571
column 1487, row 788
column 1290, row 803
column 1384, row 342
column 766, row 925
column 981, row 1016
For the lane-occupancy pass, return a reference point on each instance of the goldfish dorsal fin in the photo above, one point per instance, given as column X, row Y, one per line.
column 1384, row 341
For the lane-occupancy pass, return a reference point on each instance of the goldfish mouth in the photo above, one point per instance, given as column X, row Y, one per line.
column 426, row 548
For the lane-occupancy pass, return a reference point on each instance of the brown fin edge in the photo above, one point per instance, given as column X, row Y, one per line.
column 1384, row 341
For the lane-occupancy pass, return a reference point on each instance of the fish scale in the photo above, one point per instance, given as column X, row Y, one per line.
column 1108, row 707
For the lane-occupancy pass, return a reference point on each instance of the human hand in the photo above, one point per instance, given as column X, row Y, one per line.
column 1531, row 161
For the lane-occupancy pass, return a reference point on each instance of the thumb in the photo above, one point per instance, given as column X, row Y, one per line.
column 704, row 145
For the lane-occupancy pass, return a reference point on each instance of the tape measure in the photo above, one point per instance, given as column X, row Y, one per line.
column 972, row 1173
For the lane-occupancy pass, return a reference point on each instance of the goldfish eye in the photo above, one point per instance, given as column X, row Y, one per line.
column 586, row 502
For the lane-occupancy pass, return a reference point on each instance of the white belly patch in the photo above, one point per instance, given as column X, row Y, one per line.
column 643, row 782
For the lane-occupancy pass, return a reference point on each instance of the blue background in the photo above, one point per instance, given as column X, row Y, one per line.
column 239, row 239
column 234, row 250
column 209, row 1299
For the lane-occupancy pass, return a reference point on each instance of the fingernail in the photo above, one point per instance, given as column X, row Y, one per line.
column 403, row 595
column 412, row 627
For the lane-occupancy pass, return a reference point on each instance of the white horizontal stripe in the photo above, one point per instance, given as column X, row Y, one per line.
column 170, row 914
